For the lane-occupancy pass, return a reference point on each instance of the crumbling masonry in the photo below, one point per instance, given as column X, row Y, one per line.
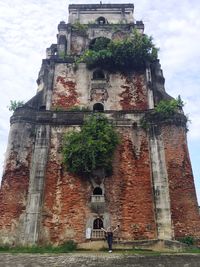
column 151, row 191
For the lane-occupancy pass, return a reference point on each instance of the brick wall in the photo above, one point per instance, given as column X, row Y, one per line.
column 128, row 194
column 15, row 180
column 184, row 207
column 129, row 190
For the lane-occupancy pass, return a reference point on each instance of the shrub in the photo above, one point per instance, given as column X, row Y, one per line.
column 81, row 28
column 14, row 104
column 169, row 107
column 166, row 111
column 189, row 240
column 90, row 148
column 68, row 246
column 121, row 55
column 100, row 43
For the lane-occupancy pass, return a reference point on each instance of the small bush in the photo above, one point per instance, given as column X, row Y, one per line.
column 4, row 248
column 166, row 111
column 14, row 104
column 81, row 28
column 189, row 240
column 168, row 108
column 100, row 43
column 69, row 245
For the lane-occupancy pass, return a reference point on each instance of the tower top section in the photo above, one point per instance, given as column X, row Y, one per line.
column 102, row 13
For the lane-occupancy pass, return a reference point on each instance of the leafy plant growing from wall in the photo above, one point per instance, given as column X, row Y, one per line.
column 121, row 55
column 90, row 148
column 165, row 111
column 80, row 28
column 14, row 104
column 168, row 108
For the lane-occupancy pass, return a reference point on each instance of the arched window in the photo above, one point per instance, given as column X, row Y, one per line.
column 98, row 107
column 97, row 224
column 101, row 20
column 98, row 75
column 53, row 49
column 97, row 191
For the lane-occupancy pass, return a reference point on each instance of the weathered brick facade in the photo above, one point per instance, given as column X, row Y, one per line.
column 150, row 193
column 184, row 207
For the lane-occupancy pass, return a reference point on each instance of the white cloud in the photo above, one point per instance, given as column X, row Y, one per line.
column 27, row 28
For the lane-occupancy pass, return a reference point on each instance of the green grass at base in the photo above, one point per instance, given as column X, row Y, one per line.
column 69, row 246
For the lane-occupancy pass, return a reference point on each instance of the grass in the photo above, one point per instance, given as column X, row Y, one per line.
column 70, row 246
column 67, row 247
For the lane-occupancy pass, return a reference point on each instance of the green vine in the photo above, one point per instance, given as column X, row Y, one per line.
column 90, row 148
column 121, row 55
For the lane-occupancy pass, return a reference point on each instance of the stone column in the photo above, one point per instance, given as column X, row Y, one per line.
column 160, row 185
column 36, row 186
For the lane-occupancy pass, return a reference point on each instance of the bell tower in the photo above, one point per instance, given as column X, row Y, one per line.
column 150, row 192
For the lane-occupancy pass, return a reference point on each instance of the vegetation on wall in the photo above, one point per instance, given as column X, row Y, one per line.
column 165, row 111
column 14, row 104
column 167, row 108
column 100, row 43
column 62, row 55
column 73, row 108
column 121, row 55
column 78, row 108
column 90, row 148
column 80, row 28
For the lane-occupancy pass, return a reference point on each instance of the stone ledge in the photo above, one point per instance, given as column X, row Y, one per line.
column 154, row 245
column 97, row 6
column 30, row 115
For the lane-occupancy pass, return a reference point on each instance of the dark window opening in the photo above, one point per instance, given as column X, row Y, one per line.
column 97, row 191
column 54, row 51
column 101, row 21
column 92, row 43
column 98, row 75
column 98, row 107
column 97, row 224
column 43, row 107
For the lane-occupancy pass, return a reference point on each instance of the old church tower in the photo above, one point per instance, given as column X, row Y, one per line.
column 150, row 192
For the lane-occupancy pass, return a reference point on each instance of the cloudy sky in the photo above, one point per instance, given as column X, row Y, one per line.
column 27, row 28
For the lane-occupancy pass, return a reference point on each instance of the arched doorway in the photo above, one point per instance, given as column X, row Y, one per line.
column 97, row 191
column 97, row 224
